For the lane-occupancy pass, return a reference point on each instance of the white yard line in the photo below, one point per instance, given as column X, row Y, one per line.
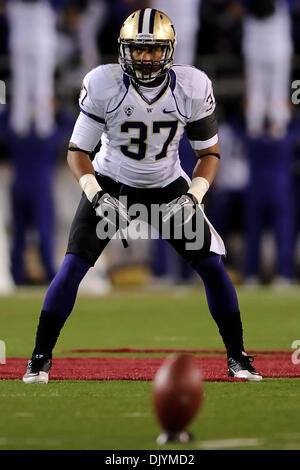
column 228, row 443
column 169, row 338
column 136, row 415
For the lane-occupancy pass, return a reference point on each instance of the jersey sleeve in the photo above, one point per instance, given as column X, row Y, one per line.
column 86, row 133
column 90, row 123
column 202, row 128
column 89, row 103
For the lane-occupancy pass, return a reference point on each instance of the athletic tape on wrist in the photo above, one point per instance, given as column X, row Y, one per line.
column 89, row 185
column 198, row 188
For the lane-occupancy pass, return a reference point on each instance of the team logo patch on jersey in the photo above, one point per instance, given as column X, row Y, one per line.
column 128, row 109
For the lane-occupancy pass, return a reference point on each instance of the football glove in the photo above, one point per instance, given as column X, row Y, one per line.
column 181, row 210
column 112, row 211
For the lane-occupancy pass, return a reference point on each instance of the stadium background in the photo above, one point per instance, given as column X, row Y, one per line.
column 212, row 33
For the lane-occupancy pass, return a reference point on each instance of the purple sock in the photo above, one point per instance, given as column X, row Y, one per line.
column 222, row 302
column 62, row 292
column 58, row 303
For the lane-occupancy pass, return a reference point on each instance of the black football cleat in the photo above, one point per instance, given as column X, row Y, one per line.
column 38, row 369
column 241, row 367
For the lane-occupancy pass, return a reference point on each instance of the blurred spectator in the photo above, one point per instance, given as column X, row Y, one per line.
column 32, row 46
column 269, row 200
column 186, row 19
column 296, row 194
column 89, row 27
column 6, row 281
column 78, row 30
column 267, row 48
column 33, row 163
column 227, row 196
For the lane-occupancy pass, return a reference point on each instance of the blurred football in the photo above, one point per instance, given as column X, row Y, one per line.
column 177, row 392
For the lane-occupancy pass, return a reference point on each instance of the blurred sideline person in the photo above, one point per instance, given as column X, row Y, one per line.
column 6, row 282
column 227, row 201
column 33, row 162
column 296, row 193
column 141, row 106
column 186, row 18
column 30, row 130
column 269, row 201
column 78, row 28
column 90, row 24
column 267, row 48
column 32, row 26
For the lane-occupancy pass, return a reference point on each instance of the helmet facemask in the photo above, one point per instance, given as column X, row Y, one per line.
column 145, row 71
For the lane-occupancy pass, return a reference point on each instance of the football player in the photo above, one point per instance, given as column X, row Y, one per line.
column 140, row 109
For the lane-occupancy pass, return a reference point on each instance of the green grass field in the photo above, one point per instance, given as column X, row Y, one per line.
column 118, row 414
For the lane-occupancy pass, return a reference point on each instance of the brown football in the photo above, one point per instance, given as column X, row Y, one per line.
column 177, row 392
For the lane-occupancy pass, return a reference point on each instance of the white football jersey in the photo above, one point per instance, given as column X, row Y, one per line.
column 140, row 127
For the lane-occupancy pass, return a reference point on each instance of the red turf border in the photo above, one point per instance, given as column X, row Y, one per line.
column 139, row 368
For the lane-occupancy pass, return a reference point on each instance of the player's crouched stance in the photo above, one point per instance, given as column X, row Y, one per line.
column 140, row 109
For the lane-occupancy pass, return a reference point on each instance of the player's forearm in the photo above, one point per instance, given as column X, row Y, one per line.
column 205, row 171
column 207, row 167
column 83, row 170
column 79, row 162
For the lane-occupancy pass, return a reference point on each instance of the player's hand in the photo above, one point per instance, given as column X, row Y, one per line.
column 110, row 209
column 181, row 210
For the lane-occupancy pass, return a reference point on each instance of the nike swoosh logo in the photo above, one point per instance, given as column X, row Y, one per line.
column 109, row 202
column 167, row 112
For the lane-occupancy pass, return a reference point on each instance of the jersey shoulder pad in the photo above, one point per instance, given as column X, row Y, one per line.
column 99, row 86
column 193, row 81
column 197, row 88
